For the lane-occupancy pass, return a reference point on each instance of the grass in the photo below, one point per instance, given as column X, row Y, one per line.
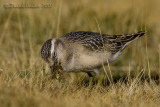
column 25, row 77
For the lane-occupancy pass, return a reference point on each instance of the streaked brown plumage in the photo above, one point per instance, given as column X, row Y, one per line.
column 85, row 51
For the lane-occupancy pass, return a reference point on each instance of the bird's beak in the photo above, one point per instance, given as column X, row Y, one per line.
column 52, row 69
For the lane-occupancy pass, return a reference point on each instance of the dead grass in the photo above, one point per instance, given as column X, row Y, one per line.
column 25, row 78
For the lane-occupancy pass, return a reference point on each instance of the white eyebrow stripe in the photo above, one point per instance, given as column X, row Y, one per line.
column 52, row 47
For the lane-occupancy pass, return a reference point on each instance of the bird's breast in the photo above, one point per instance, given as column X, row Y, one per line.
column 86, row 61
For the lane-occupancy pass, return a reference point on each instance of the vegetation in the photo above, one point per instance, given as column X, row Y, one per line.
column 133, row 80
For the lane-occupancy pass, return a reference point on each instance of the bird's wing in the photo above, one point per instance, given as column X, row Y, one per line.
column 98, row 42
column 117, row 43
column 90, row 40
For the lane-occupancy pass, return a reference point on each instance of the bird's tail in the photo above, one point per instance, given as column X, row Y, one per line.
column 130, row 37
column 119, row 42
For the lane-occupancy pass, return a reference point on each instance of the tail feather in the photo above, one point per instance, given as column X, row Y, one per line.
column 130, row 37
column 141, row 33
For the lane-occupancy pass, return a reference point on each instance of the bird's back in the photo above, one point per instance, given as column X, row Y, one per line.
column 98, row 42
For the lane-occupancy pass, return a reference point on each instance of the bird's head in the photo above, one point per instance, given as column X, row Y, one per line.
column 48, row 53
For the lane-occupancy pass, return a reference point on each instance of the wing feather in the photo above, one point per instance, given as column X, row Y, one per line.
column 97, row 42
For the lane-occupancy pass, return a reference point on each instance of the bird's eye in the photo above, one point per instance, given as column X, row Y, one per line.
column 54, row 54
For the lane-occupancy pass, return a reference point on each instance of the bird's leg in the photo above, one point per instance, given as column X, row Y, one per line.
column 94, row 70
column 90, row 78
column 89, row 74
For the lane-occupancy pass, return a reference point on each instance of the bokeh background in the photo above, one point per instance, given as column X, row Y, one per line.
column 25, row 77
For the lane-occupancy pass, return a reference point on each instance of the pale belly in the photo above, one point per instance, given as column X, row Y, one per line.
column 84, row 62
column 83, row 59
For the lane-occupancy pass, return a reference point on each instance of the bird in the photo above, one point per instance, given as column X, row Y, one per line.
column 84, row 51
